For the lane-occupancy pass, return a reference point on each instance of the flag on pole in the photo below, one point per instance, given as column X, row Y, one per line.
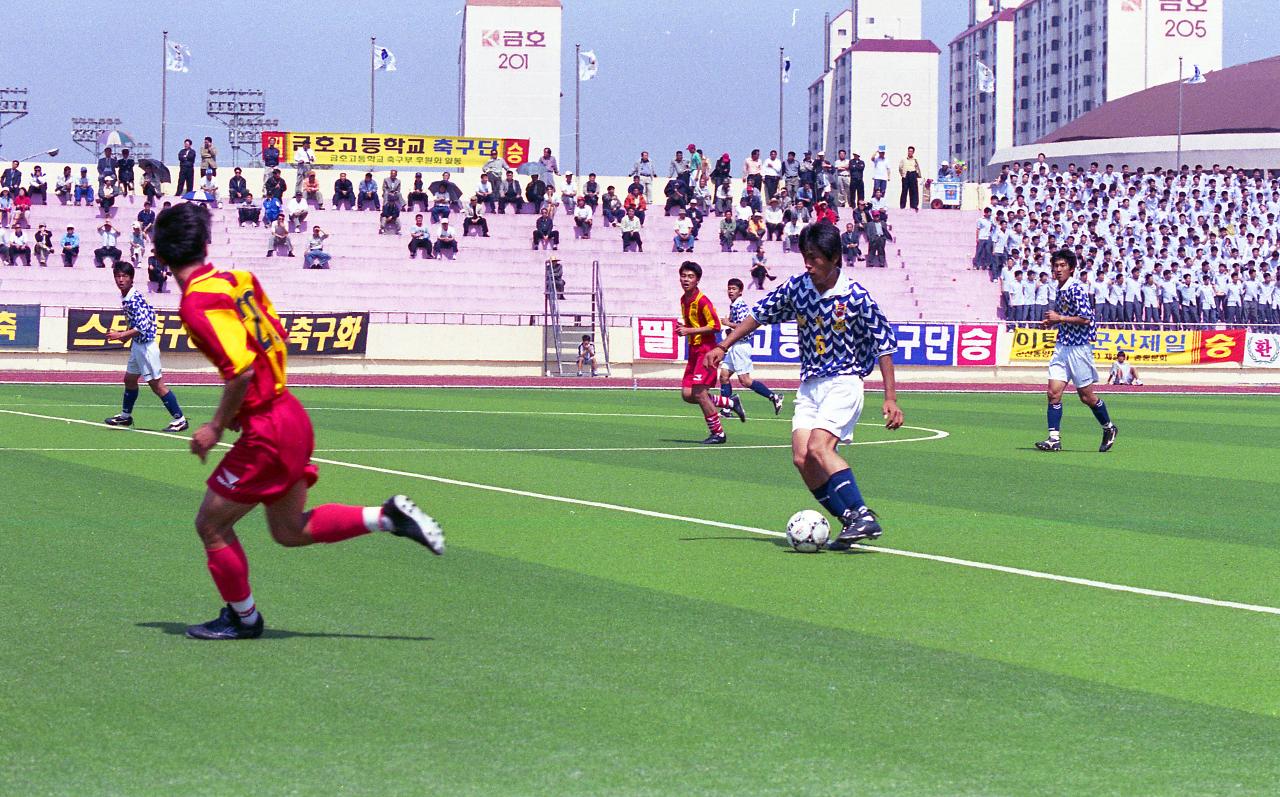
column 383, row 59
column 986, row 79
column 786, row 70
column 177, row 58
column 587, row 65
column 1196, row 76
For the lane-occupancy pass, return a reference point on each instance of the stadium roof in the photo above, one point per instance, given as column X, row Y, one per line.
column 1232, row 100
column 891, row 46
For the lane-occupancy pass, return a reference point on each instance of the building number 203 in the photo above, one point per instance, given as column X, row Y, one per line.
column 895, row 99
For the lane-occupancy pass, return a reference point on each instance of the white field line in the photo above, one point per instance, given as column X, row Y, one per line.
column 951, row 560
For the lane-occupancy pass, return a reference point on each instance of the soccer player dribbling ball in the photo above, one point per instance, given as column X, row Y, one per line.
column 843, row 337
column 232, row 322
column 699, row 323
column 1072, row 359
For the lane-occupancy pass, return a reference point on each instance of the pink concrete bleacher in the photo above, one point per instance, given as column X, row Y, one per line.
column 502, row 275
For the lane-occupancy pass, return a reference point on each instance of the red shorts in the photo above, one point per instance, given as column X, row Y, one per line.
column 696, row 373
column 272, row 454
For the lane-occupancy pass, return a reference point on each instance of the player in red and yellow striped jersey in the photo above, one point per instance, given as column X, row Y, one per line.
column 232, row 322
column 699, row 323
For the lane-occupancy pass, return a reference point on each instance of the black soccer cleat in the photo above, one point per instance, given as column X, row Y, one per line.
column 859, row 524
column 776, row 398
column 1049, row 445
column 119, row 420
column 407, row 520
column 737, row 409
column 1108, row 438
column 227, row 625
column 714, row 440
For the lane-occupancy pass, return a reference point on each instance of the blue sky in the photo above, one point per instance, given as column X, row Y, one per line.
column 671, row 72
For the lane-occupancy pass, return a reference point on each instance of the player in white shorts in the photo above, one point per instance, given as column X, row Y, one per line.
column 843, row 337
column 738, row 359
column 144, row 353
column 1072, row 359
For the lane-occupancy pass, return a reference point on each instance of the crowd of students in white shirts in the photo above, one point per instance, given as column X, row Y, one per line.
column 1197, row 246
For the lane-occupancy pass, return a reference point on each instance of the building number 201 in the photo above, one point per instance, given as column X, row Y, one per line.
column 513, row 61
column 895, row 99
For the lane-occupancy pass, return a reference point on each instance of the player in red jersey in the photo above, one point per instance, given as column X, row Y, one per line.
column 700, row 323
column 232, row 322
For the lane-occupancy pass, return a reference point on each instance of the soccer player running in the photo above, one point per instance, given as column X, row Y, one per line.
column 232, row 322
column 700, row 323
column 144, row 353
column 843, row 336
column 738, row 359
column 1072, row 359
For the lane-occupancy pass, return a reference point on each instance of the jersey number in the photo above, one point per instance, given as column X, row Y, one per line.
column 247, row 306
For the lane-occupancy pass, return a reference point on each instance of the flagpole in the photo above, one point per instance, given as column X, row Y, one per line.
column 373, row 49
column 164, row 92
column 781, row 61
column 577, row 112
column 1178, row 168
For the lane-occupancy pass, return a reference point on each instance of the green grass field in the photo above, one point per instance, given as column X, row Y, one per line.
column 565, row 648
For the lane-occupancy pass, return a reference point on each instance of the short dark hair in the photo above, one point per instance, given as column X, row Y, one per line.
column 735, row 283
column 691, row 266
column 822, row 238
column 123, row 267
column 1065, row 255
column 182, row 234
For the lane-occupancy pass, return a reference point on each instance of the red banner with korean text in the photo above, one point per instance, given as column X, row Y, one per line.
column 409, row 151
column 976, row 344
column 656, row 339
column 1143, row 347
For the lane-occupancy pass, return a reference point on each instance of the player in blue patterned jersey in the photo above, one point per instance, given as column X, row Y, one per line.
column 144, row 354
column 1072, row 359
column 738, row 359
column 843, row 336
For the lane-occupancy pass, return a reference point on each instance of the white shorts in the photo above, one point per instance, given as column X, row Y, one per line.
column 738, row 359
column 832, row 403
column 1073, row 364
column 144, row 360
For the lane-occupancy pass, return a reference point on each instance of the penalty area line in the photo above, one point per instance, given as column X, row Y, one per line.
column 950, row 560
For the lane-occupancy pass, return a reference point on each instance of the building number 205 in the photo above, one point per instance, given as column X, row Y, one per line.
column 895, row 99
column 1184, row 28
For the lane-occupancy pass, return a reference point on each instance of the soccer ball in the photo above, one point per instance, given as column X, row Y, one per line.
column 808, row 531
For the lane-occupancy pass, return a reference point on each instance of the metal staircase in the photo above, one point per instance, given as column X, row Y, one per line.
column 567, row 316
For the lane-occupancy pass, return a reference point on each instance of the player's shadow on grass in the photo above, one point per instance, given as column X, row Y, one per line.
column 1063, row 451
column 681, row 442
column 753, row 538
column 180, row 629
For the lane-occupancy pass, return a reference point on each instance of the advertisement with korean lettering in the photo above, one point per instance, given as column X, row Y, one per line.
column 309, row 334
column 924, row 344
column 1262, row 350
column 656, row 339
column 976, row 344
column 19, row 326
column 388, row 149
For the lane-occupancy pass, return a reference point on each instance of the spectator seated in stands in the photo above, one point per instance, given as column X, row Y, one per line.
column 728, row 233
column 485, row 194
column 510, row 193
column 368, row 196
column 6, row 207
column 446, row 243
column 84, row 187
column 108, row 236
column 683, row 240
column 311, row 190
column 755, row 231
column 271, row 210
column 137, row 244
column 298, row 209
column 850, row 242
column 760, row 268
column 695, row 218
column 536, row 193
column 248, row 212
column 825, row 214
column 22, row 208
column 316, row 257
column 677, row 199
column 209, row 187
column 391, row 189
column 635, row 201
column 591, row 192
column 344, row 193
column 773, row 220
column 17, row 246
column 587, row 355
column 877, row 234
column 583, row 219
column 151, row 186
column 419, row 239
column 157, row 273
column 791, row 235
column 569, row 194
column 703, row 196
column 440, row 205
column 473, row 219
column 278, row 236
column 544, row 232
column 724, row 199
column 70, row 244
column 613, row 211
column 12, row 178
column 64, row 186
column 389, row 219
column 274, row 187
column 107, row 198
column 417, row 196
column 238, row 188
column 43, row 246
column 451, row 188
column 631, row 230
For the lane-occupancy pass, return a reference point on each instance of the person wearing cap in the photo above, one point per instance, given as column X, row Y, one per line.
column 773, row 219
column 108, row 236
column 315, row 256
column 70, row 244
column 569, row 194
column 697, row 163
column 877, row 233
column 209, row 188
column 137, row 244
column 683, row 240
column 677, row 196
column 84, row 187
column 755, row 231
column 6, row 207
column 311, row 190
column 297, row 211
column 722, row 174
column 17, row 245
column 879, row 173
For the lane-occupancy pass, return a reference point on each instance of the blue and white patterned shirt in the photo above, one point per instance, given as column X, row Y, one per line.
column 141, row 315
column 842, row 331
column 738, row 311
column 1074, row 300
